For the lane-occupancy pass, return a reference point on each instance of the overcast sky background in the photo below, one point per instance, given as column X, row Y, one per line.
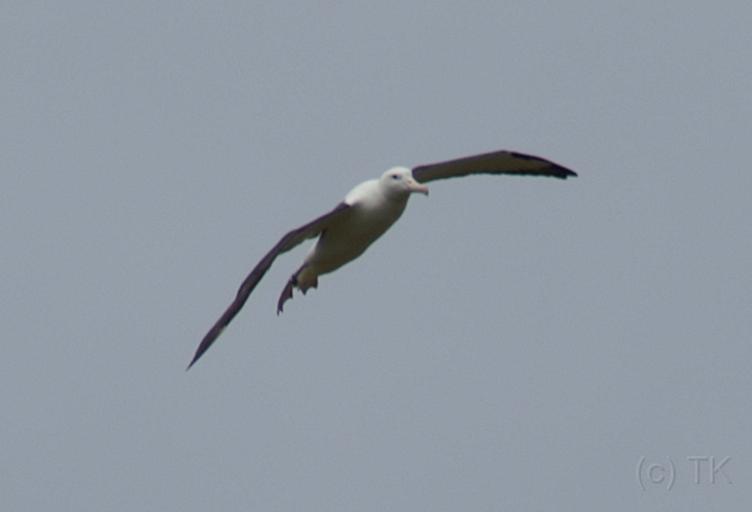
column 511, row 344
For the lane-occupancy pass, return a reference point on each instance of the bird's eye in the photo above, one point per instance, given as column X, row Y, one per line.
column 395, row 176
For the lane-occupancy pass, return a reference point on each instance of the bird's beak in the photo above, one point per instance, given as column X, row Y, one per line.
column 417, row 187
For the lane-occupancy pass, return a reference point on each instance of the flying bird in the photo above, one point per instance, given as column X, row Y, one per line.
column 366, row 212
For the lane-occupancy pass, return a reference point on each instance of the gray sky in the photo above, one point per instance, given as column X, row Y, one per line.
column 511, row 344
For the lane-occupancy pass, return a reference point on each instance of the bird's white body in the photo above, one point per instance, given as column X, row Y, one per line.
column 375, row 206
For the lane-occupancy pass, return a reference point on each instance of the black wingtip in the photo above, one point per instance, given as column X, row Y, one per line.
column 559, row 171
column 552, row 168
column 193, row 361
column 207, row 342
column 566, row 173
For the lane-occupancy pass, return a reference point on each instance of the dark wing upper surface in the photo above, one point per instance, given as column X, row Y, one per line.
column 287, row 242
column 497, row 162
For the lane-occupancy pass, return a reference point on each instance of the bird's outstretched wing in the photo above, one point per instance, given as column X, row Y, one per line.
column 498, row 162
column 287, row 242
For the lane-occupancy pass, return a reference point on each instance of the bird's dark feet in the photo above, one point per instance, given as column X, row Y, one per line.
column 286, row 294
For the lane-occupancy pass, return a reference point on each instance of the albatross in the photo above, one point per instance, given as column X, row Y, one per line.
column 365, row 214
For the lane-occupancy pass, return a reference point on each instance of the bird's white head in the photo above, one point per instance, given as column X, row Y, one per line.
column 399, row 182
